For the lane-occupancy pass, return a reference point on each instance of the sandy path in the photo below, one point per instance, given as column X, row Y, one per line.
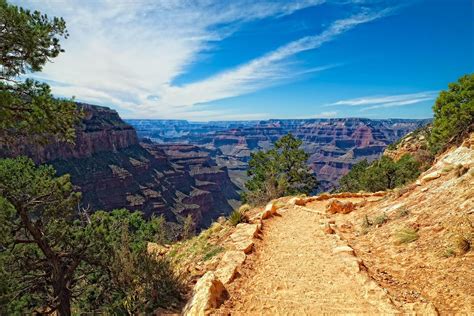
column 294, row 272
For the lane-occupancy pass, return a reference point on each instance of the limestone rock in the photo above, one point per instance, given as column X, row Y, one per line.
column 229, row 264
column 336, row 206
column 297, row 201
column 431, row 176
column 328, row 230
column 343, row 249
column 244, row 245
column 243, row 235
column 207, row 294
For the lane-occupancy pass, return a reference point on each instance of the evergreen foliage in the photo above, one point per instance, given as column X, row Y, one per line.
column 453, row 113
column 280, row 171
column 380, row 175
column 27, row 41
column 55, row 260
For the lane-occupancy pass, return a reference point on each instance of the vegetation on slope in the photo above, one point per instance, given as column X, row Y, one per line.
column 380, row 175
column 278, row 172
column 453, row 113
column 454, row 118
column 56, row 260
column 54, row 256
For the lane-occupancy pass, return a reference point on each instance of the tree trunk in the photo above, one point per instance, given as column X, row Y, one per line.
column 62, row 295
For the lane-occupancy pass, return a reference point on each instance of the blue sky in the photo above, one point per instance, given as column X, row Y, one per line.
column 241, row 59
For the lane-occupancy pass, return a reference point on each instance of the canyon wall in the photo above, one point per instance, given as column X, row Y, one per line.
column 334, row 145
column 113, row 170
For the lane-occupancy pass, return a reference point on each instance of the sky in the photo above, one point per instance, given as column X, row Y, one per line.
column 209, row 60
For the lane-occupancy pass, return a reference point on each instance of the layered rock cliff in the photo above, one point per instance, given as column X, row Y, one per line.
column 113, row 170
column 334, row 145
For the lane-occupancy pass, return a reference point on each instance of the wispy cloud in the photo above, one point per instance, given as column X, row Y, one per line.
column 129, row 53
column 378, row 102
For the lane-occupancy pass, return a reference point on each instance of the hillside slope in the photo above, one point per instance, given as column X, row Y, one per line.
column 403, row 251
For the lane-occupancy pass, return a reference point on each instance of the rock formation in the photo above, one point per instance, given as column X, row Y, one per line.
column 113, row 170
column 334, row 145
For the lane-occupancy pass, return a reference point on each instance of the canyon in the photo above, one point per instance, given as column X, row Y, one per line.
column 112, row 169
column 179, row 168
column 334, row 145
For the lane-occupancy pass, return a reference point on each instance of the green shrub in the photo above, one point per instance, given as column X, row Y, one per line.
column 278, row 172
column 406, row 235
column 381, row 219
column 453, row 113
column 380, row 175
column 213, row 252
column 236, row 217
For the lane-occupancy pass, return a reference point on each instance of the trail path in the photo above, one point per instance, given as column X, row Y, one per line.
column 294, row 272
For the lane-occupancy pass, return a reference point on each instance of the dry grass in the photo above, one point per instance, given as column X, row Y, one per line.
column 381, row 219
column 406, row 235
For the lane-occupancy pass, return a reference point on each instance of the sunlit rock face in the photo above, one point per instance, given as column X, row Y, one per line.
column 334, row 145
column 113, row 170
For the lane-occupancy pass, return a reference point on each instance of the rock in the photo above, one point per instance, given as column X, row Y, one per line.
column 244, row 245
column 336, row 206
column 243, row 235
column 328, row 230
column 221, row 220
column 208, row 293
column 271, row 207
column 431, row 176
column 266, row 214
column 297, row 201
column 323, row 197
column 424, row 189
column 343, row 249
column 229, row 264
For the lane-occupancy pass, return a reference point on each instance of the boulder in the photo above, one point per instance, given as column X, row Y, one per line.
column 328, row 230
column 244, row 245
column 343, row 249
column 431, row 176
column 243, row 235
column 208, row 293
column 336, row 206
column 297, row 201
column 323, row 197
column 271, row 207
column 229, row 264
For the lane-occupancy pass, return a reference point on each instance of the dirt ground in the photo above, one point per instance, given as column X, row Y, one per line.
column 294, row 272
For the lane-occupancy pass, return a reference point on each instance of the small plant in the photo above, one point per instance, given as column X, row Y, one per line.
column 406, row 235
column 381, row 219
column 461, row 170
column 236, row 217
column 244, row 208
column 213, row 252
column 366, row 223
column 462, row 244
column 449, row 252
column 402, row 212
column 189, row 227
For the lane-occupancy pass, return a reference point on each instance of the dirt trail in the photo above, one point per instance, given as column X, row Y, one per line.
column 294, row 272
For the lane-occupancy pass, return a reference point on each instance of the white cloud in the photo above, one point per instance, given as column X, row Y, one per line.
column 377, row 102
column 128, row 53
